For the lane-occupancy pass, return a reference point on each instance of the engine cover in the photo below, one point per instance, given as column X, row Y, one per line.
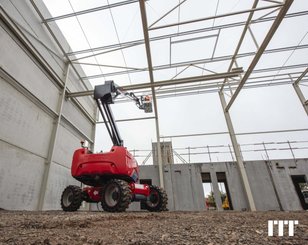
column 96, row 169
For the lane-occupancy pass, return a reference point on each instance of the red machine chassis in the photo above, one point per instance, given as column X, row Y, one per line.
column 96, row 169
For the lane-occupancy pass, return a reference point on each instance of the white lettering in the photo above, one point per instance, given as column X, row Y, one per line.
column 281, row 224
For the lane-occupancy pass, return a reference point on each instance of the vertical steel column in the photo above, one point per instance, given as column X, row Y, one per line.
column 301, row 97
column 237, row 153
column 150, row 66
column 52, row 143
column 299, row 91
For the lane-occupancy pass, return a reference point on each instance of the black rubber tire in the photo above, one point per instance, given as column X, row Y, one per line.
column 116, row 196
column 158, row 199
column 71, row 198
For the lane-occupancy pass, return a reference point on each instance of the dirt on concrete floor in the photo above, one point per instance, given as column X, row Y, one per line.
column 56, row 227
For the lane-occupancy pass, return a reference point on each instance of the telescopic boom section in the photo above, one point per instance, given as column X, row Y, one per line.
column 104, row 96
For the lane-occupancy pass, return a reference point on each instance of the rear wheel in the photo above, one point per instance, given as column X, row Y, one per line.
column 158, row 200
column 116, row 196
column 71, row 198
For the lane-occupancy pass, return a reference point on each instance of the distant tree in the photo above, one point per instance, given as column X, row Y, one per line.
column 211, row 199
column 303, row 186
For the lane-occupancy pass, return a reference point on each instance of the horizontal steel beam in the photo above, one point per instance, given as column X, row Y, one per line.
column 196, row 62
column 193, row 39
column 80, row 94
column 241, row 134
column 184, row 80
column 281, row 68
column 268, row 81
column 254, row 82
column 216, row 16
column 87, row 11
column 192, row 135
column 215, row 89
column 110, row 66
column 214, row 85
column 130, row 119
column 168, row 82
column 189, row 32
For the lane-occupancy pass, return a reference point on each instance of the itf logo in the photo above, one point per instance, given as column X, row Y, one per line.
column 281, row 224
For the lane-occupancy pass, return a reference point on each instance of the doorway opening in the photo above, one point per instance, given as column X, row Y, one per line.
column 301, row 188
column 224, row 190
column 209, row 199
column 210, row 203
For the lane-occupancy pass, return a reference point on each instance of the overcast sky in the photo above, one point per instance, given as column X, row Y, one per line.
column 260, row 109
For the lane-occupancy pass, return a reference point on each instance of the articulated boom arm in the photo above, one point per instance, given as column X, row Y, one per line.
column 105, row 95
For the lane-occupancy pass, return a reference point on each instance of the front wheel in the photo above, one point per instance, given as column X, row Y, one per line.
column 71, row 198
column 157, row 200
column 116, row 196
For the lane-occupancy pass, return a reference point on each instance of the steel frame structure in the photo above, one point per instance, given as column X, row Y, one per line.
column 232, row 80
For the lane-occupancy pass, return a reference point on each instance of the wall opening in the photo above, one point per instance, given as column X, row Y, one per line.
column 209, row 199
column 224, row 196
column 224, row 190
column 210, row 203
column 301, row 188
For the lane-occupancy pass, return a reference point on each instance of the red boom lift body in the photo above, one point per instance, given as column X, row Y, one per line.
column 111, row 177
column 118, row 162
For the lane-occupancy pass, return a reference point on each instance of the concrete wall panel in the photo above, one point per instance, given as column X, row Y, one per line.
column 59, row 178
column 24, row 15
column 66, row 144
column 20, row 178
column 71, row 112
column 237, row 192
column 187, row 188
column 261, row 186
column 197, row 188
column 27, row 105
column 19, row 65
column 22, row 122
column 183, row 185
column 169, row 183
column 40, row 39
column 75, row 85
column 285, row 187
column 238, row 198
